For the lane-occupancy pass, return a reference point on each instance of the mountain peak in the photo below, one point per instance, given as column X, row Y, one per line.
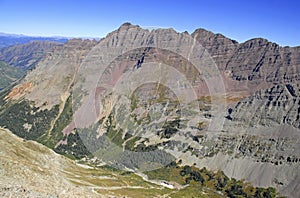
column 127, row 25
column 201, row 32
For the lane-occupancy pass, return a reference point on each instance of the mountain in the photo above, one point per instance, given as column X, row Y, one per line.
column 14, row 39
column 25, row 56
column 17, row 59
column 8, row 75
column 256, row 62
column 140, row 100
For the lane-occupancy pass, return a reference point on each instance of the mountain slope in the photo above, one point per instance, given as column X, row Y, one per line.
column 25, row 56
column 17, row 59
column 32, row 170
column 8, row 74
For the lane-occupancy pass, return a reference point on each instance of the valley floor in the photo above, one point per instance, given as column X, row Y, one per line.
column 29, row 169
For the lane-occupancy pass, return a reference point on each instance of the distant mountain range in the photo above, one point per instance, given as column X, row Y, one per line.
column 14, row 39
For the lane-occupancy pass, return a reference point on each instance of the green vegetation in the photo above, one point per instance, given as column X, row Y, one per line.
column 4, row 93
column 134, row 101
column 130, row 144
column 32, row 123
column 115, row 135
column 63, row 120
column 109, row 177
column 215, row 181
column 27, row 121
column 74, row 149
column 112, row 133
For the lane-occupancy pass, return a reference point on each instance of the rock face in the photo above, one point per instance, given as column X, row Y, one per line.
column 261, row 62
column 258, row 62
column 277, row 105
column 138, row 99
column 218, row 46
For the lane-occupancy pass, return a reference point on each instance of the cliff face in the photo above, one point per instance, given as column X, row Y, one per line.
column 277, row 105
column 220, row 48
column 261, row 62
column 138, row 99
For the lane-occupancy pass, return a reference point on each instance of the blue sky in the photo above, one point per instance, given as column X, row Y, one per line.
column 276, row 20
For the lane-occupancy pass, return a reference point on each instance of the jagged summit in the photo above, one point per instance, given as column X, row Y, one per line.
column 202, row 34
column 126, row 26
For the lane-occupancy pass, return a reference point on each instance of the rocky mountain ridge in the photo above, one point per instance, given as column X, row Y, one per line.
column 257, row 63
